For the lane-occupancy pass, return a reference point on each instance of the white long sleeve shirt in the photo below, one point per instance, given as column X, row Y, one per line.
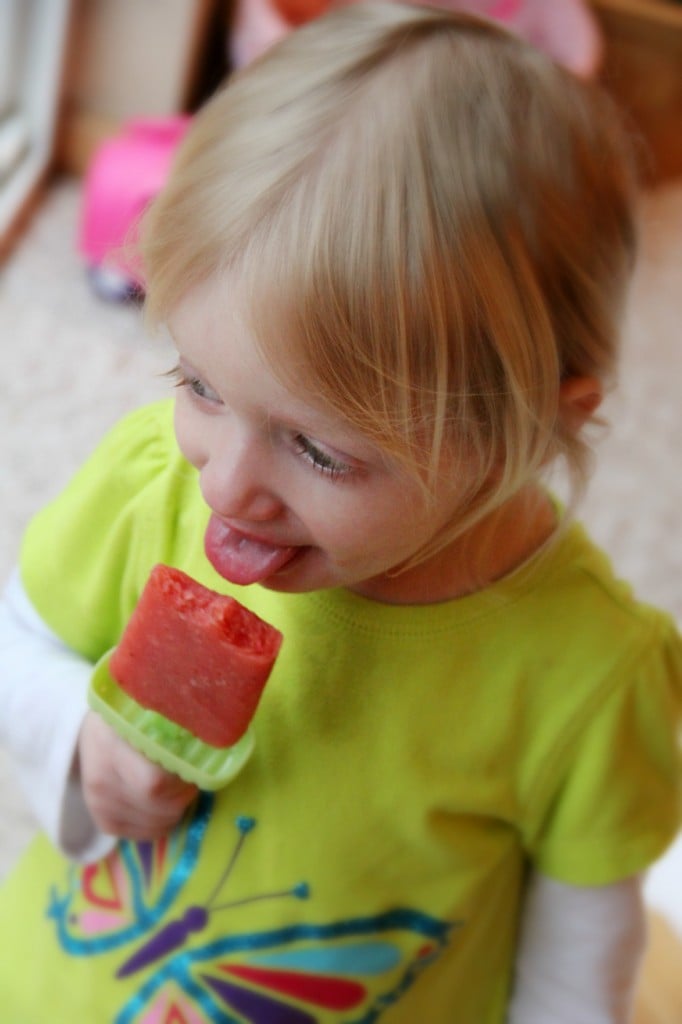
column 43, row 700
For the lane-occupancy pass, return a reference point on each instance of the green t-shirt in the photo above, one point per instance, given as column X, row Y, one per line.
column 410, row 763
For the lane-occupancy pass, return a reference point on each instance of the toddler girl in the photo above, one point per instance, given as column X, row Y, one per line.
column 392, row 257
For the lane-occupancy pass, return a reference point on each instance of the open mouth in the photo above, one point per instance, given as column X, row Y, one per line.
column 242, row 559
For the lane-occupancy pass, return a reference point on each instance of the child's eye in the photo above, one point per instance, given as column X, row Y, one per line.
column 194, row 384
column 321, row 460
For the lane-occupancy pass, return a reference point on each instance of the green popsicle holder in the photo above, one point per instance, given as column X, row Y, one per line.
column 162, row 741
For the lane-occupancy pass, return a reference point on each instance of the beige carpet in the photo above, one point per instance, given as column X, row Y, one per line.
column 71, row 366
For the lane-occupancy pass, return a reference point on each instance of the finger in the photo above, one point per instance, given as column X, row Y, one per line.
column 155, row 808
column 148, row 780
column 132, row 821
column 122, row 828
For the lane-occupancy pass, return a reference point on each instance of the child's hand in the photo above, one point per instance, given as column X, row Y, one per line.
column 126, row 794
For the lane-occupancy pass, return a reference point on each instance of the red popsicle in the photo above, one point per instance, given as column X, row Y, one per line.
column 195, row 656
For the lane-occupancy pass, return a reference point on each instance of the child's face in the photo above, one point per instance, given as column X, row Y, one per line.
column 300, row 500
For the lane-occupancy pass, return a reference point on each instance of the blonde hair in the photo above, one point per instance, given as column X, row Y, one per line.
column 436, row 226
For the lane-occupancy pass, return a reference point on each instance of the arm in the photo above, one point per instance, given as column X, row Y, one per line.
column 82, row 782
column 43, row 689
column 578, row 954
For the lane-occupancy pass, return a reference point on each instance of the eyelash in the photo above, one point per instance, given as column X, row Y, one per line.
column 194, row 384
column 319, row 460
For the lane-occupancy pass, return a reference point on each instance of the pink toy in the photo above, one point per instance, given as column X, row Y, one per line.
column 565, row 29
column 125, row 174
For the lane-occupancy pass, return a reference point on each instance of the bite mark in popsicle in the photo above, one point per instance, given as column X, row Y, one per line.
column 195, row 656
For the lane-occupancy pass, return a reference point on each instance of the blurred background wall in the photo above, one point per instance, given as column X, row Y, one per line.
column 73, row 71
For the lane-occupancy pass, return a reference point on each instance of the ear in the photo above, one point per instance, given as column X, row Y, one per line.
column 579, row 399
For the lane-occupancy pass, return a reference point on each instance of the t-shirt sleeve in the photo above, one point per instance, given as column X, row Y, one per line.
column 618, row 802
column 85, row 556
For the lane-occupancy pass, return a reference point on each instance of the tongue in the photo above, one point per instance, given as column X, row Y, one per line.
column 238, row 558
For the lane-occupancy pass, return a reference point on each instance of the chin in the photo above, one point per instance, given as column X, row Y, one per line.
column 298, row 577
column 282, row 586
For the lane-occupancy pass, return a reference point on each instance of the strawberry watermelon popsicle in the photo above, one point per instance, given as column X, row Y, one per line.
column 196, row 657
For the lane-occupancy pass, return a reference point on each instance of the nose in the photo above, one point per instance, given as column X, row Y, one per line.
column 236, row 479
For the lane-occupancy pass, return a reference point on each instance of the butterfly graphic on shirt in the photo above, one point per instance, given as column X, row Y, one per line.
column 348, row 971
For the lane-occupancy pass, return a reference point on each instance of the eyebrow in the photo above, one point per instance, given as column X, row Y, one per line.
column 298, row 420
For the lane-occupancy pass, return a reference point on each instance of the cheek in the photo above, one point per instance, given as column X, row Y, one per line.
column 369, row 524
column 188, row 433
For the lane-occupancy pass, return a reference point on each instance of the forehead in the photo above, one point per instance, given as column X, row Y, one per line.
column 212, row 329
